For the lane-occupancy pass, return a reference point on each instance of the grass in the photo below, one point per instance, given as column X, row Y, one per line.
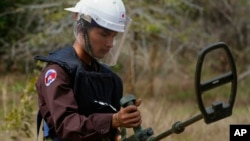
column 172, row 99
column 17, row 113
column 161, row 116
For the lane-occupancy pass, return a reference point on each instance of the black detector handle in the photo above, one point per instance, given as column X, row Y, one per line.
column 140, row 134
column 218, row 110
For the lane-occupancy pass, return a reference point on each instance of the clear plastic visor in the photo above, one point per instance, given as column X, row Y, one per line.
column 112, row 56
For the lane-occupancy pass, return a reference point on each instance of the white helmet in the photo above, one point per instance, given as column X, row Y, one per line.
column 110, row 14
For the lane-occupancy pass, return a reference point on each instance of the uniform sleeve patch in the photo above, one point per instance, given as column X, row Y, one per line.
column 50, row 76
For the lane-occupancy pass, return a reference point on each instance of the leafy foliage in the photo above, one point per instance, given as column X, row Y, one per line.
column 19, row 119
column 164, row 38
column 31, row 27
column 26, row 28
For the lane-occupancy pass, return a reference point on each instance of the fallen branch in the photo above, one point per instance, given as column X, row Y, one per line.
column 243, row 75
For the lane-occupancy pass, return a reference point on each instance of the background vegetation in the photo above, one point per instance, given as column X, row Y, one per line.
column 157, row 62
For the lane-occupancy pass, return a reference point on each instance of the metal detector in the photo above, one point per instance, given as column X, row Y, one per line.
column 217, row 111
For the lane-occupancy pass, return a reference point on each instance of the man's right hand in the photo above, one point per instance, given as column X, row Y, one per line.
column 127, row 117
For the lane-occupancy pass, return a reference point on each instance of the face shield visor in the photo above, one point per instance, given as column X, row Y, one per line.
column 112, row 56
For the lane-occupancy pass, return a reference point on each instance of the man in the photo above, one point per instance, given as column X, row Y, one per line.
column 78, row 94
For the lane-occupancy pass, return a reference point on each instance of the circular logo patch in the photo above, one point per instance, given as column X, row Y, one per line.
column 50, row 77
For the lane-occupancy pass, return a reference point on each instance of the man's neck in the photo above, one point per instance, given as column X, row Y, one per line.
column 82, row 54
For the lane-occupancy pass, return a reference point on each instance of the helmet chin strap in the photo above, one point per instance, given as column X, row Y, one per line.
column 88, row 47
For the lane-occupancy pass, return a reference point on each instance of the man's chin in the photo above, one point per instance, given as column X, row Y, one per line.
column 100, row 57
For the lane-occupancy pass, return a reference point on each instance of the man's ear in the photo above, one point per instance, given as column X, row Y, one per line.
column 75, row 16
